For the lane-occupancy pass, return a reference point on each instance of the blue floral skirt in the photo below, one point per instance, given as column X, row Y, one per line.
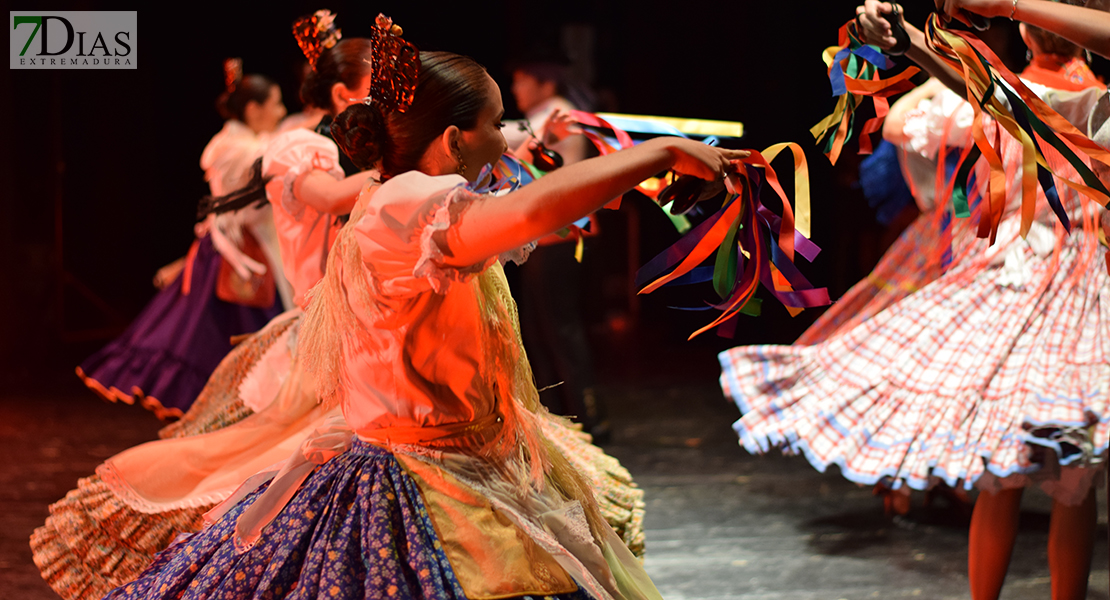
column 356, row 529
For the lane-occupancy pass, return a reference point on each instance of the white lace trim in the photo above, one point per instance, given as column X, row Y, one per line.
column 518, row 256
column 289, row 202
column 430, row 264
column 127, row 494
column 577, row 526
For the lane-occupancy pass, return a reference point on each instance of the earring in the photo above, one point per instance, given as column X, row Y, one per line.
column 461, row 169
column 1028, row 55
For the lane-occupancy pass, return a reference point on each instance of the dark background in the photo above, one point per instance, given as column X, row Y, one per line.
column 100, row 168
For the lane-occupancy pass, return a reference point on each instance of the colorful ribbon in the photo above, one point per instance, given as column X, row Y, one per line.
column 593, row 125
column 1022, row 115
column 854, row 75
column 753, row 246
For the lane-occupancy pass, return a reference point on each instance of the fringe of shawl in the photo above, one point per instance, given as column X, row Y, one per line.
column 331, row 327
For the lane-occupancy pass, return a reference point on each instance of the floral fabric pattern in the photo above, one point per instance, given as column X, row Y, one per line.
column 356, row 529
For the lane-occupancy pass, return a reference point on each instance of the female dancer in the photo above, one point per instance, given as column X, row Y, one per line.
column 449, row 490
column 105, row 531
column 252, row 378
column 228, row 283
column 997, row 379
column 249, row 381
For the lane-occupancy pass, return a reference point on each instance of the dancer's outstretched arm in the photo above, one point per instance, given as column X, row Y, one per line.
column 502, row 223
column 1087, row 27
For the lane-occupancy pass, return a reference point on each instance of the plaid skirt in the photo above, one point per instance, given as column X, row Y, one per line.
column 995, row 368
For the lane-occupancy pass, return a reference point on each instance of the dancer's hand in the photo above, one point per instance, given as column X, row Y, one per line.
column 701, row 160
column 873, row 26
column 695, row 185
column 560, row 125
column 167, row 274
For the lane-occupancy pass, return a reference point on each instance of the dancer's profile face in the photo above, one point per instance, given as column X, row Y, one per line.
column 484, row 144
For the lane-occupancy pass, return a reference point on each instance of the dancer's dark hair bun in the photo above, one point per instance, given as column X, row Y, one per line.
column 362, row 133
column 451, row 90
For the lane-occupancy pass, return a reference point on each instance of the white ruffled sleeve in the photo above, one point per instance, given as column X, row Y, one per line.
column 1089, row 111
column 295, row 153
column 944, row 118
column 1098, row 128
column 398, row 233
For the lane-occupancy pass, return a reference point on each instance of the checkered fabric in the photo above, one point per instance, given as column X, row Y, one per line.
column 912, row 261
column 1004, row 353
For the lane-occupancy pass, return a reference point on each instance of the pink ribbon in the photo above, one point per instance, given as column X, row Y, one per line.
column 326, row 442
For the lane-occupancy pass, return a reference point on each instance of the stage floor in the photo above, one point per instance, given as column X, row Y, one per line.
column 721, row 524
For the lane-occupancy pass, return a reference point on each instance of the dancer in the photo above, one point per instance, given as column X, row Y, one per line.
column 248, row 381
column 227, row 283
column 106, row 531
column 992, row 374
column 540, row 87
column 223, row 162
column 412, row 333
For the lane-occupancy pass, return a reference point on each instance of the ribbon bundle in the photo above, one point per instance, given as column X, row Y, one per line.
column 507, row 175
column 595, row 124
column 854, row 75
column 995, row 91
column 753, row 245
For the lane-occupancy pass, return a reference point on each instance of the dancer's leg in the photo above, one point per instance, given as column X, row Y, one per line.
column 1071, row 540
column 994, row 525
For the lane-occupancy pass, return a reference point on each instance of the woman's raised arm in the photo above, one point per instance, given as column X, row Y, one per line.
column 327, row 194
column 1087, row 27
column 502, row 223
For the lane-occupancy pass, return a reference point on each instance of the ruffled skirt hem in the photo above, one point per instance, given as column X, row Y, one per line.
column 92, row 541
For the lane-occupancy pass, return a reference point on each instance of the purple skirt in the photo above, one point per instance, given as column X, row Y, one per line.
column 356, row 529
column 167, row 354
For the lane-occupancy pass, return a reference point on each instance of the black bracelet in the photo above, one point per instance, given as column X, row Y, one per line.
column 898, row 31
